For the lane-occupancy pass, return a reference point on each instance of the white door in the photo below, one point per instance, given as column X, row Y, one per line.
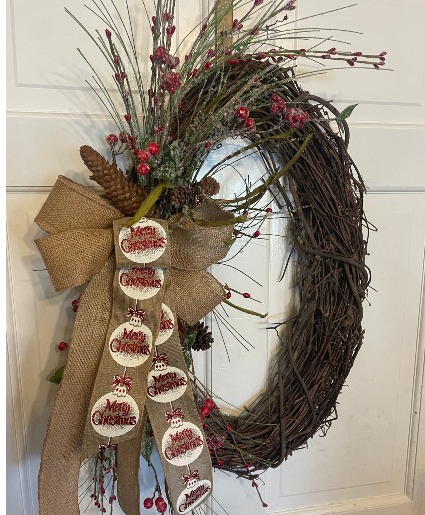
column 373, row 457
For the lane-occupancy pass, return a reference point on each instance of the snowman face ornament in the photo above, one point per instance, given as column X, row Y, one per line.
column 122, row 385
column 192, row 482
column 158, row 367
column 136, row 316
column 120, row 391
column 176, row 422
column 175, row 417
column 160, row 362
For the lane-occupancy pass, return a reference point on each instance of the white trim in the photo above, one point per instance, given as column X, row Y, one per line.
column 396, row 504
column 18, row 411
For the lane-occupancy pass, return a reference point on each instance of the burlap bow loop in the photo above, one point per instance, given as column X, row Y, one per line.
column 197, row 247
column 79, row 223
column 80, row 239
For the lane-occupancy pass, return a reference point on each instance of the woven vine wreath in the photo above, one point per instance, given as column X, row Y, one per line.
column 157, row 228
column 323, row 195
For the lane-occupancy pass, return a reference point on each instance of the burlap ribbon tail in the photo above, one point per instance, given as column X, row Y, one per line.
column 81, row 247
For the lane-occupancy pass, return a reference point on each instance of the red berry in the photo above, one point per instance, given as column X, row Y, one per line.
column 228, row 295
column 143, row 155
column 220, row 463
column 247, row 295
column 247, row 466
column 242, row 112
column 208, row 65
column 229, row 428
column 153, row 148
column 210, row 403
column 108, row 33
column 159, row 500
column 256, row 234
column 148, row 503
column 250, row 123
column 269, row 210
column 205, row 411
column 127, row 117
column 62, row 346
column 143, row 169
column 112, row 139
column 75, row 304
column 162, row 507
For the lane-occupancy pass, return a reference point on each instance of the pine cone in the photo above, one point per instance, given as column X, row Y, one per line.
column 204, row 337
column 123, row 194
column 183, row 197
column 209, row 186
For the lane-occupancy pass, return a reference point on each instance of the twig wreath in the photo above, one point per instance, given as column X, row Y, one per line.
column 323, row 194
column 157, row 228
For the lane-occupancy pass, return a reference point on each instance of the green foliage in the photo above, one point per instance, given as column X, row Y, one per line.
column 57, row 376
column 147, row 442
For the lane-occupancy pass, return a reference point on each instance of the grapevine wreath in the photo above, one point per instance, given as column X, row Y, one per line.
column 159, row 225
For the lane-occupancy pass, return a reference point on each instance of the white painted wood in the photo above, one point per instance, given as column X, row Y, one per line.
column 373, row 458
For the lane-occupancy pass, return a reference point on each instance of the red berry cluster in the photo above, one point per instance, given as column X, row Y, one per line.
column 160, row 504
column 236, row 25
column 171, row 82
column 145, row 155
column 214, row 442
column 75, row 303
column 296, row 117
column 206, row 408
column 242, row 112
column 127, row 137
column 161, row 56
column 278, row 104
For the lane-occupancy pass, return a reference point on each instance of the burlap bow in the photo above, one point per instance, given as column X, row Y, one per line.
column 79, row 249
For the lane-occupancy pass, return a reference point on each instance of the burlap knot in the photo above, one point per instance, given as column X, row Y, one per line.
column 79, row 249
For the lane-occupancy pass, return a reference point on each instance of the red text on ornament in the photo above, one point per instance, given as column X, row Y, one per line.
column 193, row 496
column 165, row 325
column 131, row 342
column 140, row 278
column 114, row 414
column 142, row 238
column 175, row 451
column 165, row 383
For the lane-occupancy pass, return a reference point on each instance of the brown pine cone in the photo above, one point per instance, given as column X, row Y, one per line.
column 183, row 197
column 209, row 186
column 123, row 194
column 204, row 337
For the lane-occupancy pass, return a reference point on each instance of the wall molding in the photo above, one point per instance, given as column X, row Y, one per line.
column 97, row 115
column 396, row 504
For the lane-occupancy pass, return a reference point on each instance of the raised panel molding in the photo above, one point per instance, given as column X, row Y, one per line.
column 48, row 74
column 398, row 504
